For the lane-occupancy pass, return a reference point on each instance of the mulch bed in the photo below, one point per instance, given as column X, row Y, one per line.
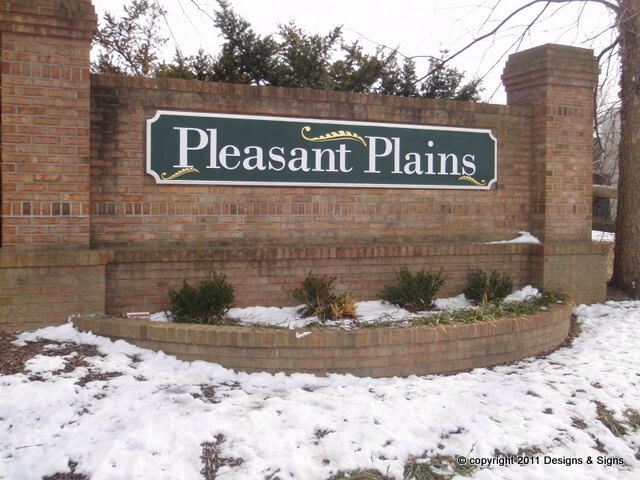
column 14, row 357
column 213, row 461
column 617, row 295
column 71, row 475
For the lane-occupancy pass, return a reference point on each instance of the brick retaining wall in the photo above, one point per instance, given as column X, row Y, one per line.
column 138, row 280
column 39, row 289
column 366, row 352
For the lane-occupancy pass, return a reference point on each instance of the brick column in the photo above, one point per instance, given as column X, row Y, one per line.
column 44, row 97
column 558, row 82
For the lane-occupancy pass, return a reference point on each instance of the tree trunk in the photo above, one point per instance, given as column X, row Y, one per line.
column 627, row 252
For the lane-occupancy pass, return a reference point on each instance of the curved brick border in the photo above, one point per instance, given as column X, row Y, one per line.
column 375, row 352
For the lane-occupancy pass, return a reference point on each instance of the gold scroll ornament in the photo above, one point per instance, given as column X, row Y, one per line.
column 179, row 173
column 473, row 180
column 331, row 136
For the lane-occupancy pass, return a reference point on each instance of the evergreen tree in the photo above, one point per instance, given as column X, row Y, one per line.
column 290, row 57
column 129, row 45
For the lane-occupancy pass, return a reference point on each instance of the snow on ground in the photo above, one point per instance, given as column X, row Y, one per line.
column 453, row 303
column 160, row 317
column 270, row 316
column 523, row 237
column 367, row 312
column 527, row 293
column 149, row 417
column 288, row 317
column 43, row 363
column 598, row 236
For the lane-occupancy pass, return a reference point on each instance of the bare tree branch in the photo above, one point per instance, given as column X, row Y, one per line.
column 202, row 10
column 507, row 19
column 608, row 48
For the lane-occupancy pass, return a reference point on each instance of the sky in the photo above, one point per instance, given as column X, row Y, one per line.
column 415, row 27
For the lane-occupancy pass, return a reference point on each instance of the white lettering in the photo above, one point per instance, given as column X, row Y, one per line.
column 374, row 154
column 298, row 163
column 396, row 154
column 276, row 157
column 318, row 160
column 342, row 158
column 470, row 164
column 413, row 167
column 257, row 158
column 229, row 151
column 213, row 149
column 443, row 164
column 184, row 147
column 430, row 170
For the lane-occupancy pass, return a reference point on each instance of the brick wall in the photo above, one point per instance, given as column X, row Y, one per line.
column 558, row 82
column 44, row 288
column 138, row 280
column 374, row 352
column 128, row 208
column 578, row 270
column 44, row 164
column 72, row 178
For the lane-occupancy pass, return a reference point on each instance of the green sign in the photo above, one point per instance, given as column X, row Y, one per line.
column 220, row 149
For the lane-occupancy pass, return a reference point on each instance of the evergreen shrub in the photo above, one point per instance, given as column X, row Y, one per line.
column 206, row 304
column 413, row 291
column 485, row 287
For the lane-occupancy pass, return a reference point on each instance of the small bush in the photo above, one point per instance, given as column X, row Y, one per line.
column 483, row 287
column 206, row 304
column 414, row 292
column 342, row 307
column 319, row 299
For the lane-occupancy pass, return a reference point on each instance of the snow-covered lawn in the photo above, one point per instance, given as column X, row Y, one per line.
column 130, row 413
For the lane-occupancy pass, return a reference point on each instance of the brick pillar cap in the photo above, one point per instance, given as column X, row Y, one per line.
column 49, row 18
column 551, row 60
